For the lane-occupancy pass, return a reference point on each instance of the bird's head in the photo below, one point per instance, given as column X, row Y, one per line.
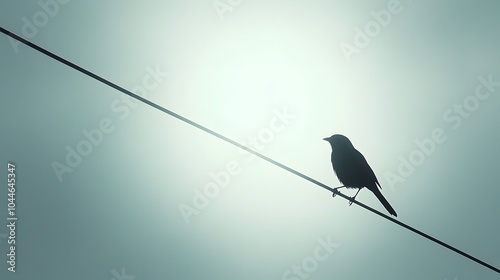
column 339, row 141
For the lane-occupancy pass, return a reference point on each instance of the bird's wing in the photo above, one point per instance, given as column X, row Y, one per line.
column 365, row 170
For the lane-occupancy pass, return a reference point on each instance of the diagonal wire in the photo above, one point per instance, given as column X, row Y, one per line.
column 230, row 141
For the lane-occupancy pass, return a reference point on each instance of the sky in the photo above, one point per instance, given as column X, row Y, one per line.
column 107, row 187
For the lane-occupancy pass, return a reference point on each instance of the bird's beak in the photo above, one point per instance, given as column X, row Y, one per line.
column 326, row 139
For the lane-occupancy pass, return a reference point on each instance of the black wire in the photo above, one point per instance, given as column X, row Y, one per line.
column 230, row 141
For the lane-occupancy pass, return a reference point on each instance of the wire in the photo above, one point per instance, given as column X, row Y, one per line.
column 230, row 141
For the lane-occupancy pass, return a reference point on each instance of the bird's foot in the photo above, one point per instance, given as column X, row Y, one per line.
column 351, row 201
column 335, row 190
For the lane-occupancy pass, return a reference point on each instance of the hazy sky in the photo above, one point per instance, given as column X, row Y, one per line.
column 110, row 188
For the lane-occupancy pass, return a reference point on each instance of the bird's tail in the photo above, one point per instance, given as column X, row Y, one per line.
column 384, row 201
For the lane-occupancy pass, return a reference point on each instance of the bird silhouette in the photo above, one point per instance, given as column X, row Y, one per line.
column 353, row 170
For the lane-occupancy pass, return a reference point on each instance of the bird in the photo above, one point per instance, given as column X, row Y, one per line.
column 352, row 169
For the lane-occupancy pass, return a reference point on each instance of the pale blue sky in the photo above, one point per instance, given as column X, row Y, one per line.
column 272, row 75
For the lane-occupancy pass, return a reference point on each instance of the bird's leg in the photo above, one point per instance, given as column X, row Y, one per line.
column 333, row 193
column 352, row 198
